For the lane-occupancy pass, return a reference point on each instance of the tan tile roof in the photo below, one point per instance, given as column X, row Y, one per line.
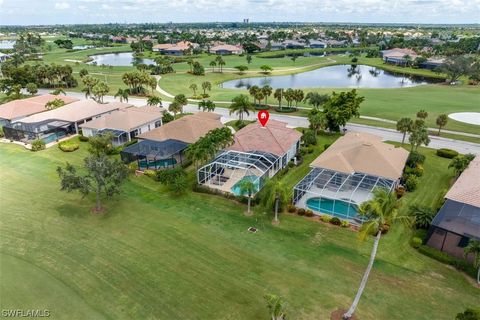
column 467, row 187
column 187, row 129
column 274, row 138
column 26, row 107
column 126, row 119
column 399, row 53
column 182, row 45
column 363, row 153
column 226, row 47
column 77, row 111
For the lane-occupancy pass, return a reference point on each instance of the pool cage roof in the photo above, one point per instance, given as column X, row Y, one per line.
column 354, row 188
column 116, row 133
column 263, row 161
column 38, row 127
column 460, row 218
column 155, row 149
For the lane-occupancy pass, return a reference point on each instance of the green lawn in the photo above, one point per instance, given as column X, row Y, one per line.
column 156, row 256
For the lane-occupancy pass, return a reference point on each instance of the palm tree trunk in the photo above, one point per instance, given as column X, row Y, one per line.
column 403, row 139
column 363, row 283
column 439, row 128
column 478, row 275
column 249, row 199
column 276, row 209
column 98, row 204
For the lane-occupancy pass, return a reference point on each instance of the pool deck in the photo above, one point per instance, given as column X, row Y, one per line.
column 234, row 176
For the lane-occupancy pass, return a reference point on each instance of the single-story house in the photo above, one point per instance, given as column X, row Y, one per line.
column 336, row 43
column 17, row 109
column 316, row 44
column 163, row 147
column 125, row 124
column 344, row 175
column 52, row 125
column 293, row 44
column 432, row 63
column 458, row 221
column 4, row 56
column 118, row 39
column 175, row 49
column 224, row 49
column 258, row 153
column 397, row 55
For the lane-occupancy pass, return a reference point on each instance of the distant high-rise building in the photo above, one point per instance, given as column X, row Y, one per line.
column 246, row 20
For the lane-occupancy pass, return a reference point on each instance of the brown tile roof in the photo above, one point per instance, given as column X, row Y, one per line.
column 363, row 153
column 180, row 46
column 77, row 111
column 399, row 53
column 274, row 138
column 467, row 187
column 126, row 119
column 187, row 129
column 26, row 107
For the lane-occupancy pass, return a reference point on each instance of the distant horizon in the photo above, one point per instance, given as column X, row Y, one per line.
column 403, row 12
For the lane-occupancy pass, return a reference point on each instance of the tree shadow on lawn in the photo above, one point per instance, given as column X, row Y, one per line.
column 82, row 208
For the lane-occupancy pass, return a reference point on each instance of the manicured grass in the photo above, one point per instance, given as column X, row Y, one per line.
column 152, row 255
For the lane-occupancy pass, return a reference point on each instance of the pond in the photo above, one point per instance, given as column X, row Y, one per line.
column 120, row 59
column 7, row 44
column 340, row 76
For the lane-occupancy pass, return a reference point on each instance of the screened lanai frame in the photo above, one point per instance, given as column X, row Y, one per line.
column 29, row 131
column 119, row 137
column 266, row 163
column 154, row 155
column 342, row 188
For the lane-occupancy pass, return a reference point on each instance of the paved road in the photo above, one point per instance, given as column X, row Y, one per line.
column 295, row 121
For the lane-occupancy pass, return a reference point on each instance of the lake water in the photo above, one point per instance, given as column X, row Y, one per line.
column 121, row 59
column 7, row 44
column 341, row 76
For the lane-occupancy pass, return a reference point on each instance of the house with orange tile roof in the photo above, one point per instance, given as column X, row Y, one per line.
column 458, row 221
column 175, row 49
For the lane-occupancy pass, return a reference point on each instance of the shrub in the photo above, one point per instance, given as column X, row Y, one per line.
column 310, row 149
column 416, row 171
column 291, row 164
column 68, row 146
column 133, row 166
column 422, row 215
column 309, row 138
column 291, row 208
column 447, row 153
column 167, row 117
column 301, row 212
column 150, row 173
column 416, row 242
column 469, row 314
column 303, row 151
column 443, row 257
column 309, row 213
column 326, row 145
column 83, row 138
column 400, row 191
column 345, row 224
column 1, row 132
column 129, row 143
column 336, row 221
column 411, row 182
column 38, row 145
column 415, row 158
column 325, row 218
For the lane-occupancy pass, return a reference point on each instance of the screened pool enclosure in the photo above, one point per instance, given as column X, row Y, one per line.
column 48, row 130
column 119, row 137
column 338, row 194
column 230, row 167
column 154, row 155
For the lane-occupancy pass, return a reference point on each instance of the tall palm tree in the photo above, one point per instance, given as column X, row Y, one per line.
column 154, row 101
column 213, row 64
column 441, row 122
column 278, row 94
column 267, row 91
column 194, row 88
column 241, row 105
column 473, row 247
column 404, row 125
column 275, row 195
column 206, row 105
column 298, row 97
column 253, row 90
column 122, row 94
column 182, row 100
column 219, row 60
column 206, row 85
column 175, row 108
column 381, row 213
column 247, row 187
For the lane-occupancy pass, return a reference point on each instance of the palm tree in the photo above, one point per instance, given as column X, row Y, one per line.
column 298, row 97
column 175, row 108
column 122, row 94
column 267, row 91
column 441, row 122
column 247, row 187
column 381, row 213
column 154, row 101
column 253, row 90
column 278, row 94
column 194, row 88
column 181, row 100
column 315, row 99
column 473, row 247
column 276, row 196
column 459, row 164
column 404, row 125
column 241, row 105
column 206, row 85
column 58, row 91
column 220, row 62
column 206, row 105
column 213, row 64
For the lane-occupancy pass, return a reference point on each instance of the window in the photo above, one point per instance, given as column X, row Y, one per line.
column 158, row 123
column 463, row 242
column 134, row 133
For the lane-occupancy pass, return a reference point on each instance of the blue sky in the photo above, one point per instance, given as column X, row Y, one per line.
column 102, row 11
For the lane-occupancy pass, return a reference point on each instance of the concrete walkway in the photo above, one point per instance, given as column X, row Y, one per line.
column 296, row 121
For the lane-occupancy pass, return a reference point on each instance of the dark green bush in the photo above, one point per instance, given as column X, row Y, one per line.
column 38, row 145
column 291, row 208
column 415, row 158
column 83, row 138
column 309, row 213
column 469, row 314
column 285, row 109
column 411, row 182
column 301, row 212
column 167, row 117
column 447, row 153
column 309, row 138
column 443, row 257
column 336, row 221
column 417, row 170
column 326, row 145
column 291, row 164
column 129, row 143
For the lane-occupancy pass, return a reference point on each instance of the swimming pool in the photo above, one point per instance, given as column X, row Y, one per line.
column 163, row 163
column 53, row 137
column 236, row 187
column 338, row 208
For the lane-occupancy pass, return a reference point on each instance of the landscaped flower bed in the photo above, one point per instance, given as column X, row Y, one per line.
column 68, row 146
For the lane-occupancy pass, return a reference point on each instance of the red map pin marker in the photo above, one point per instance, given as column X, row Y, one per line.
column 263, row 117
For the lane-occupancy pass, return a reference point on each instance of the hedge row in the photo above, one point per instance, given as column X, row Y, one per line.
column 447, row 153
column 443, row 257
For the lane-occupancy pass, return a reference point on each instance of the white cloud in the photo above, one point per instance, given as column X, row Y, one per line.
column 62, row 5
